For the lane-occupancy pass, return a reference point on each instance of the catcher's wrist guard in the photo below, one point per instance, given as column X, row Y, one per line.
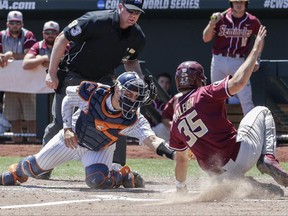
column 164, row 151
column 152, row 88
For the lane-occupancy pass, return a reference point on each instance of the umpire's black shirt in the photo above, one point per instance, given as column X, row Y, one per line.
column 98, row 45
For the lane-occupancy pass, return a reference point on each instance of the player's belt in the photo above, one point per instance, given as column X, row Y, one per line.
column 231, row 55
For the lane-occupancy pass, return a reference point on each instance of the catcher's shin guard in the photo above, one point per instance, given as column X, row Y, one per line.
column 29, row 167
column 97, row 177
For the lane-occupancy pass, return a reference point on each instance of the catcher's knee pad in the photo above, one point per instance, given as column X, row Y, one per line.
column 29, row 167
column 97, row 176
column 7, row 178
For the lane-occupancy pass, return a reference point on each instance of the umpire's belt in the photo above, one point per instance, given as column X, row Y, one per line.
column 226, row 54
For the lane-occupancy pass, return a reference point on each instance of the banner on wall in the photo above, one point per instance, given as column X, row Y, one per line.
column 148, row 5
column 13, row 78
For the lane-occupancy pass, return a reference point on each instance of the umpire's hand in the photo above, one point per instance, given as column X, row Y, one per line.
column 52, row 81
column 70, row 138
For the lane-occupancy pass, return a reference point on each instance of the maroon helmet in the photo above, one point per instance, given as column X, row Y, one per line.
column 189, row 75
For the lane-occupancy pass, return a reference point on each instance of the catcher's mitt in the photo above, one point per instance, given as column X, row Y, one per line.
column 153, row 90
column 129, row 183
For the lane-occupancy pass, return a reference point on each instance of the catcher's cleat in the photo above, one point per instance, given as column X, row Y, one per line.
column 45, row 176
column 12, row 168
column 269, row 165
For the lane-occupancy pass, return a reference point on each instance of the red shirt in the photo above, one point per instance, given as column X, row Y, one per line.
column 233, row 35
column 200, row 123
column 168, row 110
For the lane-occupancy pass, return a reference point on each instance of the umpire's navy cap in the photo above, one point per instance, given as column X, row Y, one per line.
column 133, row 4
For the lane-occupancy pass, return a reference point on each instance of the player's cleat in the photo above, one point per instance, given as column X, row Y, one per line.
column 12, row 170
column 269, row 165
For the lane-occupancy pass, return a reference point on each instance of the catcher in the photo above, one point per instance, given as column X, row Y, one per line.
column 105, row 113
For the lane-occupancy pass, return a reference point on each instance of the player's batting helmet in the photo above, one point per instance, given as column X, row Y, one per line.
column 130, row 81
column 231, row 5
column 189, row 75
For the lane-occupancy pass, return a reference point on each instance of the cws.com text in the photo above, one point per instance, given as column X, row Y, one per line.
column 17, row 5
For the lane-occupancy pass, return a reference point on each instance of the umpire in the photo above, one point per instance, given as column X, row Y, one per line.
column 100, row 42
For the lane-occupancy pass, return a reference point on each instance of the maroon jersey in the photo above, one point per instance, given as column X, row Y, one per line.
column 234, row 34
column 41, row 48
column 168, row 110
column 200, row 123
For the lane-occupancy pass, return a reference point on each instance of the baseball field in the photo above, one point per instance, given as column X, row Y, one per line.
column 69, row 195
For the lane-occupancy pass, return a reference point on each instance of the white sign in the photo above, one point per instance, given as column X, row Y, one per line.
column 13, row 78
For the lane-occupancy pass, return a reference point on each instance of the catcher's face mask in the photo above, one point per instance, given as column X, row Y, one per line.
column 133, row 93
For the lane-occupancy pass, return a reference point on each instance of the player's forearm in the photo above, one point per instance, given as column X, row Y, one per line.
column 58, row 51
column 31, row 63
column 133, row 65
column 242, row 75
column 208, row 32
column 159, row 146
column 70, row 101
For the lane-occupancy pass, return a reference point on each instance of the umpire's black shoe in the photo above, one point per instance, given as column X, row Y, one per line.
column 45, row 176
column 269, row 165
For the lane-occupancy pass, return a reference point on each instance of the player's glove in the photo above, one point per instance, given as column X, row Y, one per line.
column 152, row 88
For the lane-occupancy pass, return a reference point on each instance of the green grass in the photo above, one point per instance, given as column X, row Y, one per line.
column 146, row 167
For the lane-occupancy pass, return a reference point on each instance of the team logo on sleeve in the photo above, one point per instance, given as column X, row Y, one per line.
column 75, row 31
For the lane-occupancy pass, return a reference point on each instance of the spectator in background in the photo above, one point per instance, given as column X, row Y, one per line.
column 40, row 52
column 164, row 81
column 15, row 42
column 232, row 30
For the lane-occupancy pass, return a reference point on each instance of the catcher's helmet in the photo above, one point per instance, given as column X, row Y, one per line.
column 130, row 81
column 189, row 75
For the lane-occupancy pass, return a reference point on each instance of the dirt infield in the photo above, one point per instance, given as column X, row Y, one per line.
column 72, row 196
column 133, row 151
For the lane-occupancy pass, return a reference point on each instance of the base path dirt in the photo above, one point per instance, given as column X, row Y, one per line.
column 133, row 151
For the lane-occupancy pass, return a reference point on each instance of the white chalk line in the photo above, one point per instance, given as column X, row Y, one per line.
column 98, row 199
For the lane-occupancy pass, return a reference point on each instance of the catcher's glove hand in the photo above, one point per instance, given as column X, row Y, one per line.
column 133, row 180
column 152, row 88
